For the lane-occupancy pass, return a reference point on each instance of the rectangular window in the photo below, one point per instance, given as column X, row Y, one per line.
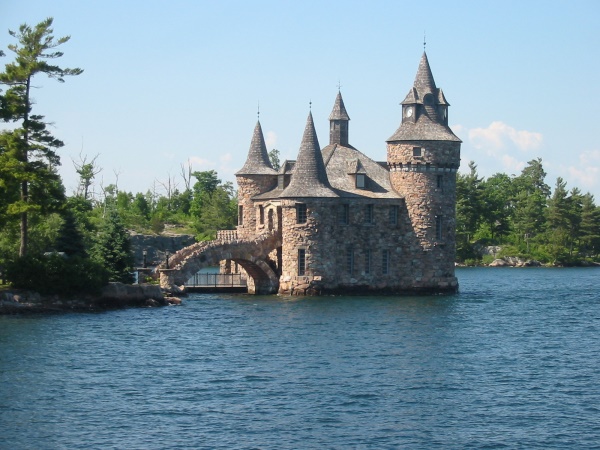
column 368, row 261
column 360, row 181
column 261, row 214
column 394, row 215
column 350, row 260
column 240, row 215
column 439, row 222
column 417, row 151
column 301, row 262
column 345, row 214
column 369, row 214
column 440, row 181
column 300, row 213
column 385, row 262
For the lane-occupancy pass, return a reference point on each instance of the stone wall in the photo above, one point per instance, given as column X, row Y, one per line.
column 349, row 258
column 428, row 184
column 157, row 246
column 248, row 187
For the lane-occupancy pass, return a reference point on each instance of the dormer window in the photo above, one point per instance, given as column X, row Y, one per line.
column 361, row 180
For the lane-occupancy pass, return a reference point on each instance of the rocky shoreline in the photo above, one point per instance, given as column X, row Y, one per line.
column 113, row 296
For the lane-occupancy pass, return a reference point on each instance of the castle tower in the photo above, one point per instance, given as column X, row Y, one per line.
column 338, row 122
column 423, row 156
column 305, row 202
column 256, row 177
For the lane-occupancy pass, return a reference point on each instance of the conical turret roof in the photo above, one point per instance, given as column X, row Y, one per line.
column 424, row 82
column 339, row 110
column 428, row 126
column 309, row 178
column 258, row 162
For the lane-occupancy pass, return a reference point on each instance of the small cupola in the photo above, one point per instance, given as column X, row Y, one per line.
column 338, row 122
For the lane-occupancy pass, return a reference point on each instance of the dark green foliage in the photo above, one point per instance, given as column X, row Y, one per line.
column 70, row 240
column 28, row 152
column 55, row 274
column 520, row 214
column 113, row 249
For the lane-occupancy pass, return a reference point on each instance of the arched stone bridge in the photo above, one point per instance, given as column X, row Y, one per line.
column 251, row 254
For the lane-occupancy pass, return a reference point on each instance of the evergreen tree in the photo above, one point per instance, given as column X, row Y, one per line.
column 531, row 196
column 34, row 48
column 590, row 226
column 469, row 206
column 70, row 239
column 497, row 192
column 113, row 249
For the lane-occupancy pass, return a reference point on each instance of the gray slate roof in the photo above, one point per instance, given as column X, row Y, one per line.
column 342, row 162
column 424, row 81
column 339, row 110
column 309, row 178
column 258, row 162
column 428, row 126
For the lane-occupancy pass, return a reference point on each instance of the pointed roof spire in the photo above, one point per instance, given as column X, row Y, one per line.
column 309, row 178
column 258, row 162
column 339, row 110
column 424, row 99
column 424, row 82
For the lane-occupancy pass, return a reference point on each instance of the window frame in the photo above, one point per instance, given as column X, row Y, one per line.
column 350, row 261
column 439, row 223
column 301, row 213
column 393, row 214
column 344, row 218
column 385, row 262
column 370, row 214
column 362, row 184
column 301, row 262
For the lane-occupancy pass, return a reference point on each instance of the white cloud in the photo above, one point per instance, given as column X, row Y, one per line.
column 586, row 173
column 498, row 135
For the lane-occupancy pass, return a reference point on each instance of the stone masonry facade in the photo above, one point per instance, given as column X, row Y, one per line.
column 349, row 224
column 335, row 221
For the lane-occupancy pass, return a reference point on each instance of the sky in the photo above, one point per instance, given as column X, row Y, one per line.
column 169, row 83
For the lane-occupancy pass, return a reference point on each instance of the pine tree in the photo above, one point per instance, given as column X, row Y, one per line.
column 113, row 248
column 34, row 48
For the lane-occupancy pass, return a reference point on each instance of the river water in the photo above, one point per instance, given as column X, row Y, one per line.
column 512, row 361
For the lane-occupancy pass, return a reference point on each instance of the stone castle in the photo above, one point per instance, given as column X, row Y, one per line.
column 336, row 221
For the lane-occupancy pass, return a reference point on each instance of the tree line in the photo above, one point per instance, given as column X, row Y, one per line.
column 66, row 244
column 524, row 216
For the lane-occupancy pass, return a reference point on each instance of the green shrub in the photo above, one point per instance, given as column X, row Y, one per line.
column 55, row 274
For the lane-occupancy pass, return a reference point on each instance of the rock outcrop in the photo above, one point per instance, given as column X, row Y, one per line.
column 513, row 261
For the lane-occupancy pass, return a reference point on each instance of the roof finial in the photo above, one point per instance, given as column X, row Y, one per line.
column 310, row 105
column 339, row 85
column 424, row 41
column 258, row 110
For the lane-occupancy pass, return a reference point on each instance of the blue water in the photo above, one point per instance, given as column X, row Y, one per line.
column 513, row 361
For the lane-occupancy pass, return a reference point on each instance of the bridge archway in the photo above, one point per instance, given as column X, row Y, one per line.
column 252, row 256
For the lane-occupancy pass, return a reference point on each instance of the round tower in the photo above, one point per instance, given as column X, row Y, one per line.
column 256, row 177
column 423, row 156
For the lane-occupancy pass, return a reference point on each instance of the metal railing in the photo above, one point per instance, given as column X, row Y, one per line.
column 217, row 280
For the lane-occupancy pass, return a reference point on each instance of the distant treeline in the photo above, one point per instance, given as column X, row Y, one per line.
column 524, row 216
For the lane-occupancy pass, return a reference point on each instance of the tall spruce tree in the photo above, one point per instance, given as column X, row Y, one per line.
column 29, row 149
column 113, row 248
